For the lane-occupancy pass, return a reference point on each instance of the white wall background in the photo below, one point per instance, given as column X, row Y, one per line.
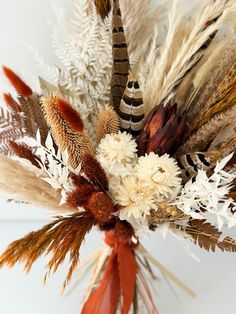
column 213, row 279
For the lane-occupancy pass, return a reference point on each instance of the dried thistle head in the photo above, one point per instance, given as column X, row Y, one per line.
column 101, row 206
column 103, row 7
column 107, row 123
column 20, row 86
column 67, row 129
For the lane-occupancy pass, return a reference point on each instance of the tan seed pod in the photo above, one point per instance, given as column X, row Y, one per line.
column 107, row 123
column 67, row 129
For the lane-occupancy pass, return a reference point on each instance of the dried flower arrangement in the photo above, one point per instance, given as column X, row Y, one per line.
column 134, row 132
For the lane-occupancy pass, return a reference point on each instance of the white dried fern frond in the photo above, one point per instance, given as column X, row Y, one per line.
column 169, row 69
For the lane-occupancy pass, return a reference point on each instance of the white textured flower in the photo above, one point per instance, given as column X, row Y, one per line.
column 117, row 153
column 160, row 173
column 137, row 200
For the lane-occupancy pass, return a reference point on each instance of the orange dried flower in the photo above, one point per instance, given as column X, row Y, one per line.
column 101, row 206
column 79, row 197
column 20, row 86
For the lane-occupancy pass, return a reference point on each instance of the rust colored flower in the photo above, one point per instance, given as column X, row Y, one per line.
column 80, row 196
column 20, row 86
column 163, row 131
column 101, row 206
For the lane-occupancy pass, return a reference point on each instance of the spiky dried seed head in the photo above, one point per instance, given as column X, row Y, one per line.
column 107, row 123
column 67, row 129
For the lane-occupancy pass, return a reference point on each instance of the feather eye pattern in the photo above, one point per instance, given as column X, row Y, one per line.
column 120, row 56
column 192, row 162
column 131, row 109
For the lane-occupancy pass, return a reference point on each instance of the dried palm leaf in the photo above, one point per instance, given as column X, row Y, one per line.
column 62, row 237
column 107, row 123
column 67, row 129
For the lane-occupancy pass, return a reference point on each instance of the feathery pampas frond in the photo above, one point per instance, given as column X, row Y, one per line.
column 61, row 237
column 200, row 139
column 168, row 72
column 107, row 123
column 11, row 103
column 67, row 129
column 21, row 184
column 103, row 7
column 139, row 21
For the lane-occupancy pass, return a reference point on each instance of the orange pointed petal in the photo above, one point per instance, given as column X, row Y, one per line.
column 105, row 298
column 127, row 272
column 20, row 86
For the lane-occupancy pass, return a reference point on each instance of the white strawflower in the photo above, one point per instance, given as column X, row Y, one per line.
column 117, row 153
column 136, row 199
column 160, row 173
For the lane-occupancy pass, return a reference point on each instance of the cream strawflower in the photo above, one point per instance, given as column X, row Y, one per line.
column 160, row 173
column 117, row 153
column 136, row 199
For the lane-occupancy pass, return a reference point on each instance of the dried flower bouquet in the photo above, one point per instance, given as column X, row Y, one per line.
column 135, row 132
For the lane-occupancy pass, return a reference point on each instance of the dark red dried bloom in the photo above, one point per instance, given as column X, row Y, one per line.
column 24, row 151
column 94, row 171
column 80, row 196
column 101, row 206
column 20, row 86
column 78, row 180
column 70, row 115
column 11, row 103
column 163, row 131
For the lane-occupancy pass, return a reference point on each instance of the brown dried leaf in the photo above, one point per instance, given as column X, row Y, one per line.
column 208, row 236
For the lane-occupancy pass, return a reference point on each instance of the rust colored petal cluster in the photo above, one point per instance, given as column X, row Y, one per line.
column 163, row 131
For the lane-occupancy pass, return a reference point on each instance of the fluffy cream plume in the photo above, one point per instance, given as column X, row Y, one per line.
column 140, row 19
column 21, row 184
column 200, row 139
column 169, row 69
column 107, row 123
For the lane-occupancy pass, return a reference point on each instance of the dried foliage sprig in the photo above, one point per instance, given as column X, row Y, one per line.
column 207, row 236
column 62, row 237
column 23, row 151
column 33, row 191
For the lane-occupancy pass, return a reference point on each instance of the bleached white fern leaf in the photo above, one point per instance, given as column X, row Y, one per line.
column 207, row 197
